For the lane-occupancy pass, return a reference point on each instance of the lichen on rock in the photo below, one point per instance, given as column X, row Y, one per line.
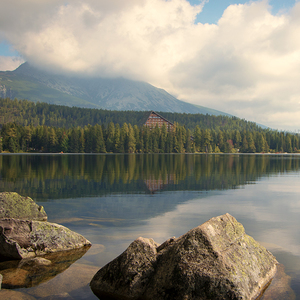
column 12, row 205
column 216, row 260
column 23, row 239
column 24, row 232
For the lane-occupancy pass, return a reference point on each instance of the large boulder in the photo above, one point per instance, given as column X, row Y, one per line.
column 12, row 205
column 23, row 238
column 216, row 260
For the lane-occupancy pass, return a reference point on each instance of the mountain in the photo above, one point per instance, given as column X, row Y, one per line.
column 27, row 82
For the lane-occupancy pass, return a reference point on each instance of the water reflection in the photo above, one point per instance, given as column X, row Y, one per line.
column 65, row 176
column 113, row 199
column 32, row 272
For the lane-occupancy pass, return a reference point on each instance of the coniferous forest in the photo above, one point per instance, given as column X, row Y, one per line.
column 41, row 127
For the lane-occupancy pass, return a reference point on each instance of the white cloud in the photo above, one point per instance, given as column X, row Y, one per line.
column 247, row 64
column 10, row 63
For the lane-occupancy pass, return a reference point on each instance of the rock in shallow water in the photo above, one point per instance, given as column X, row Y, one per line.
column 31, row 272
column 22, row 238
column 216, row 260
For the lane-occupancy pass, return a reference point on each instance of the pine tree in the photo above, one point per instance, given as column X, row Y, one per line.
column 251, row 144
column 64, row 143
column 163, row 138
column 220, row 141
column 110, row 138
column 156, row 133
column 117, row 141
column 288, row 143
column 52, row 141
column 244, row 147
column 131, row 140
column 207, row 139
column 74, row 141
column 197, row 139
column 99, row 140
column 188, row 143
column 81, row 141
column 124, row 139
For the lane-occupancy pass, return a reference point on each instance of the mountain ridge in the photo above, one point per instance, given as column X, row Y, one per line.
column 27, row 82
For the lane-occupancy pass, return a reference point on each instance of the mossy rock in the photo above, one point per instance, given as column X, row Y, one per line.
column 214, row 261
column 24, row 239
column 13, row 205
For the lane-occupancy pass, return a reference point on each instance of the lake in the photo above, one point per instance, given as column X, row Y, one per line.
column 112, row 199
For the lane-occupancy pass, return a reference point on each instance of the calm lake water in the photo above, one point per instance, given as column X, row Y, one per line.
column 113, row 199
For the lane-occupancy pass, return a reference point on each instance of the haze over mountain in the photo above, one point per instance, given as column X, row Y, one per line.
column 27, row 82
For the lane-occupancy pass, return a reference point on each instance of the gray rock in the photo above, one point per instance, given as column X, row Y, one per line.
column 23, row 239
column 216, row 260
column 12, row 205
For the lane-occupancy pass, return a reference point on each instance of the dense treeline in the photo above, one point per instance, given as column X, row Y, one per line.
column 141, row 139
column 27, row 113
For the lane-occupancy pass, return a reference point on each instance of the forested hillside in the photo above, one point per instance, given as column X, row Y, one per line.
column 29, row 127
column 141, row 139
column 26, row 113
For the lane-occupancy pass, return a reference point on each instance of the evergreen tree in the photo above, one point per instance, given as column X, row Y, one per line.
column 110, row 138
column 156, row 132
column 237, row 139
column 188, row 143
column 288, row 143
column 64, row 142
column 163, row 138
column 251, row 144
column 99, row 140
column 27, row 135
column 245, row 146
column 197, row 139
column 74, row 141
column 124, row 139
column 52, row 141
column 131, row 140
column 207, row 139
column 81, row 140
column 146, row 139
column 117, row 139
column 220, row 141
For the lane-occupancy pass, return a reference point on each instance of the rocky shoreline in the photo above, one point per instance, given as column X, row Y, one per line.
column 216, row 260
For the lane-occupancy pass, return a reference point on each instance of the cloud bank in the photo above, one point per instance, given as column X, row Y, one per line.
column 10, row 63
column 247, row 64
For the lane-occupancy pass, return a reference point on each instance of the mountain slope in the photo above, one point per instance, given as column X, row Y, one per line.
column 29, row 83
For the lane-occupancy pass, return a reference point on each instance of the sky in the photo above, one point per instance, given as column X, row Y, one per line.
column 239, row 57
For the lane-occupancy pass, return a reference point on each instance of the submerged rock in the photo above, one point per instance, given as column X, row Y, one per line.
column 22, row 238
column 31, row 272
column 12, row 205
column 216, row 260
column 14, row 295
column 280, row 287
